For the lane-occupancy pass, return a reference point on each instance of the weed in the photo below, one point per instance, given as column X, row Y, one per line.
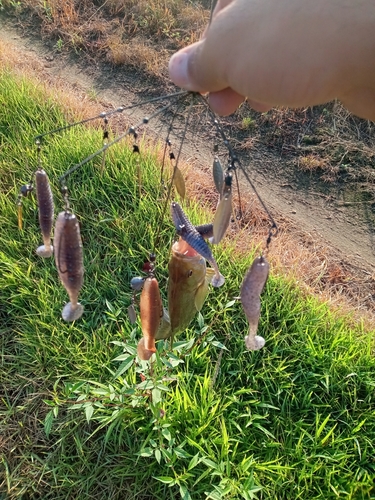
column 59, row 45
column 248, row 123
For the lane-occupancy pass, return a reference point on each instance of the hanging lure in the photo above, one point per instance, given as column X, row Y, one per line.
column 69, row 262
column 24, row 192
column 218, row 175
column 187, row 287
column 46, row 210
column 179, row 182
column 151, row 312
column 188, row 233
column 223, row 211
column 251, row 289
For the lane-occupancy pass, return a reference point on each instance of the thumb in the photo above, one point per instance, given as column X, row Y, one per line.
column 196, row 69
column 200, row 67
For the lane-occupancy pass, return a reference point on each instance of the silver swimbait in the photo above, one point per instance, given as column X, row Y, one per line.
column 188, row 233
column 218, row 175
column 223, row 211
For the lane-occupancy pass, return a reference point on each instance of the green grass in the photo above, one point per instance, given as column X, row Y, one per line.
column 80, row 419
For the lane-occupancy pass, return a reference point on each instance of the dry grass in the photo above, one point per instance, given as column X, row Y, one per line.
column 139, row 34
column 324, row 140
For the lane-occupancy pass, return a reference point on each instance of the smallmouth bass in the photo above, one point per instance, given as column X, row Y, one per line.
column 187, row 287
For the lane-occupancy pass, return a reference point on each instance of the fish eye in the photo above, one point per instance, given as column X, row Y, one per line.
column 190, row 273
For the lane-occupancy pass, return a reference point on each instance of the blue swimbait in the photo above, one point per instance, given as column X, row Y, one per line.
column 189, row 233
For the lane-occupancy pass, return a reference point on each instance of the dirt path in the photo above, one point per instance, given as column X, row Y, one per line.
column 321, row 216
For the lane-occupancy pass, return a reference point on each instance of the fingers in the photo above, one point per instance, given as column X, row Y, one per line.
column 225, row 102
column 289, row 53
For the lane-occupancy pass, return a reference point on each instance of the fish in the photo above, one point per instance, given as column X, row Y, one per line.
column 251, row 288
column 188, row 283
column 194, row 239
column 151, row 312
column 46, row 212
column 223, row 211
column 69, row 262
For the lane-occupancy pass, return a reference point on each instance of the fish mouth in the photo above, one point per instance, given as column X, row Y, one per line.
column 184, row 249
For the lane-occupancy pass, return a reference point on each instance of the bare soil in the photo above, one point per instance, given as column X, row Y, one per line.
column 324, row 206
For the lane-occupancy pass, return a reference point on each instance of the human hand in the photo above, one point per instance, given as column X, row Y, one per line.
column 291, row 53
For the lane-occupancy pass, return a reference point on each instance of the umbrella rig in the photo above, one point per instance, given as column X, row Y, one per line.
column 156, row 322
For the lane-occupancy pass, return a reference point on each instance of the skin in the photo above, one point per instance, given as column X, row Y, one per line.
column 289, row 53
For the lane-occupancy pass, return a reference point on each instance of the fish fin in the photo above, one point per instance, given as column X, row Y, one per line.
column 164, row 330
column 200, row 295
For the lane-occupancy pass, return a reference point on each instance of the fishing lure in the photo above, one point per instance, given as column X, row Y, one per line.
column 179, row 182
column 69, row 262
column 223, row 211
column 46, row 211
column 218, row 175
column 137, row 283
column 189, row 233
column 251, row 289
column 151, row 312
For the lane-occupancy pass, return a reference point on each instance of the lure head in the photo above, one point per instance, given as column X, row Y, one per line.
column 26, row 190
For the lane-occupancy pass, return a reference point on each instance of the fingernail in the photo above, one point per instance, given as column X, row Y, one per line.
column 178, row 70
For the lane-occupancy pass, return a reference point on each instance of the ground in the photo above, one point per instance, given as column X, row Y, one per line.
column 311, row 198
